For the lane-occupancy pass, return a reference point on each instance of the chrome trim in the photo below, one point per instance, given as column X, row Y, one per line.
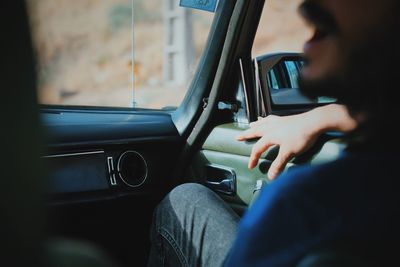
column 110, row 164
column 261, row 111
column 244, row 89
column 227, row 169
column 74, row 154
column 119, row 169
column 259, row 185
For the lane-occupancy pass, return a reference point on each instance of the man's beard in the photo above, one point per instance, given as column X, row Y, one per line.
column 367, row 82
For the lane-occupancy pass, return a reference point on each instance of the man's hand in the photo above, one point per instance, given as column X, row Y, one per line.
column 293, row 135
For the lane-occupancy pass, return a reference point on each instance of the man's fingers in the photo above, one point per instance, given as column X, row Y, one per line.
column 260, row 147
column 255, row 129
column 248, row 134
column 278, row 165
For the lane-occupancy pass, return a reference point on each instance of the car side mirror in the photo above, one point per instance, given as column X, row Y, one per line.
column 278, row 78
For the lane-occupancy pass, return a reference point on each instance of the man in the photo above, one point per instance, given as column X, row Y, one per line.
column 352, row 56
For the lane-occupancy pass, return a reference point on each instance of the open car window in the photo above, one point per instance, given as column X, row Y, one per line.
column 116, row 53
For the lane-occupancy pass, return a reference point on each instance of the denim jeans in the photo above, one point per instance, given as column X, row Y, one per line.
column 192, row 226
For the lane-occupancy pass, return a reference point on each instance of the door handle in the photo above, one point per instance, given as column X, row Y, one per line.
column 220, row 179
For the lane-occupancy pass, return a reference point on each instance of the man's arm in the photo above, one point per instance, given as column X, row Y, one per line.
column 294, row 134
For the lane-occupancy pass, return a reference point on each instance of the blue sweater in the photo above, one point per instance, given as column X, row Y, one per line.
column 354, row 198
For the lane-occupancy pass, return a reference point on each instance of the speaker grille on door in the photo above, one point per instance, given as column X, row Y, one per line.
column 132, row 168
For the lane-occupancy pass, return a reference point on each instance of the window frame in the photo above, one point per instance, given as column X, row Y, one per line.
column 185, row 115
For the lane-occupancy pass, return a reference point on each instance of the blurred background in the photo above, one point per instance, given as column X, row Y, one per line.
column 84, row 48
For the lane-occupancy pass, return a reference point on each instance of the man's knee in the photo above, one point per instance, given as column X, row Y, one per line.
column 179, row 205
column 190, row 192
column 191, row 216
column 192, row 200
column 183, row 198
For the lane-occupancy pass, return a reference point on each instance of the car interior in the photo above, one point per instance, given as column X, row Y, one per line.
column 88, row 179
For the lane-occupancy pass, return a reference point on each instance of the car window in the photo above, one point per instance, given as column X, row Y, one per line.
column 100, row 53
column 281, row 29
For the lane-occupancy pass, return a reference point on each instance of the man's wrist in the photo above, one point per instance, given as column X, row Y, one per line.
column 320, row 120
column 333, row 117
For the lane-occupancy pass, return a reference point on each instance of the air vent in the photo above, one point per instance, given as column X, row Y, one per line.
column 132, row 168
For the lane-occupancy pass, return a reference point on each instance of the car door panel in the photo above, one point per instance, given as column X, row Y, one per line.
column 88, row 196
column 101, row 139
column 222, row 149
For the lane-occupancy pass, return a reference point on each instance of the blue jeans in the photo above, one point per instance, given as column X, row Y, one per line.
column 192, row 226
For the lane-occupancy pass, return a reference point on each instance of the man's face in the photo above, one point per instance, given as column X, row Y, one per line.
column 340, row 27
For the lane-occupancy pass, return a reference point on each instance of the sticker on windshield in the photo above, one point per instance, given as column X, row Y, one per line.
column 207, row 5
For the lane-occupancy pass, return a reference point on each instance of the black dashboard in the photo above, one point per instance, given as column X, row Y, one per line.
column 94, row 155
